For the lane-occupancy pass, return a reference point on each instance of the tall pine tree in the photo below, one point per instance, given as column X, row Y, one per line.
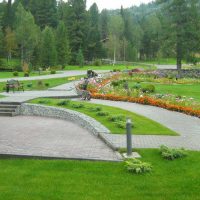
column 62, row 42
column 48, row 48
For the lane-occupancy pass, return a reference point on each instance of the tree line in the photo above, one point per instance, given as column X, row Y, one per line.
column 46, row 33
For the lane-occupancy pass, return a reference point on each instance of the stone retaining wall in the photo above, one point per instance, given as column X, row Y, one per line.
column 60, row 113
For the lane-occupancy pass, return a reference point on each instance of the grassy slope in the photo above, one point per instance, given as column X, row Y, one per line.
column 52, row 83
column 142, row 125
column 24, row 179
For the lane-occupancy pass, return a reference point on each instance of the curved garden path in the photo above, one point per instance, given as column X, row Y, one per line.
column 187, row 126
column 50, row 137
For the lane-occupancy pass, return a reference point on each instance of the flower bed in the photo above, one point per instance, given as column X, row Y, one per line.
column 148, row 101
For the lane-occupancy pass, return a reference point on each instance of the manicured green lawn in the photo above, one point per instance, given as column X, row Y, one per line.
column 21, row 74
column 188, row 90
column 163, row 61
column 142, row 125
column 107, row 67
column 29, row 179
column 41, row 84
column 192, row 90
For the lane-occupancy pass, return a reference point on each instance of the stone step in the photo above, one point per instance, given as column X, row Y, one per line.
column 8, row 106
column 7, row 114
column 7, row 109
column 9, row 103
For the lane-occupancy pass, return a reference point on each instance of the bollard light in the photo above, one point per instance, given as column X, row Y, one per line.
column 129, row 136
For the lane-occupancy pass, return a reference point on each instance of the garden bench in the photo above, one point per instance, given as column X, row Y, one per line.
column 14, row 84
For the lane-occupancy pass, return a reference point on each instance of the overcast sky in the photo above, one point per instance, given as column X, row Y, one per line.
column 113, row 4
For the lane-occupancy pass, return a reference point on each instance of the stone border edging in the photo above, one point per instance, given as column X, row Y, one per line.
column 83, row 120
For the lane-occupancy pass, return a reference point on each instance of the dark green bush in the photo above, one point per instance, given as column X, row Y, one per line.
column 53, row 72
column 102, row 114
column 47, row 84
column 43, row 101
column 172, row 154
column 115, row 118
column 26, row 74
column 30, row 85
column 137, row 167
column 78, row 106
column 16, row 73
column 97, row 62
column 121, row 125
column 95, row 109
column 40, row 83
column 63, row 103
column 148, row 89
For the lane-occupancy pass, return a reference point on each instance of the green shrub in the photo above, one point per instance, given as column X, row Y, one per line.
column 53, row 72
column 95, row 109
column 102, row 114
column 115, row 118
column 30, row 85
column 137, row 86
column 40, row 83
column 16, row 73
column 148, row 89
column 78, row 106
column 97, row 62
column 121, row 125
column 172, row 154
column 26, row 74
column 137, row 167
column 43, row 101
column 46, row 84
column 63, row 103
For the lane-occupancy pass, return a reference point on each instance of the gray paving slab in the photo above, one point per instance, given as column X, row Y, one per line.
column 47, row 137
column 187, row 126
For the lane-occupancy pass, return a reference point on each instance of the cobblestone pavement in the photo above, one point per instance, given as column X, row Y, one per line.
column 188, row 127
column 51, row 138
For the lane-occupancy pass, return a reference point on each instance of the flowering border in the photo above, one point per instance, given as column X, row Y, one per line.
column 148, row 101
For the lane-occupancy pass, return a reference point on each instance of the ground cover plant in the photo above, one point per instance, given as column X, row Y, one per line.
column 42, row 84
column 23, row 179
column 110, row 118
column 172, row 153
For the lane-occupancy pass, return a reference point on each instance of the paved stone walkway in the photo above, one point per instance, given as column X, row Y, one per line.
column 188, row 127
column 51, row 138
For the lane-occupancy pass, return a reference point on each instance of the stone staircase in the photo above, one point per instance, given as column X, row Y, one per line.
column 9, row 109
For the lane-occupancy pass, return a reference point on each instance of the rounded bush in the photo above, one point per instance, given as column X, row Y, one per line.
column 16, row 73
column 148, row 89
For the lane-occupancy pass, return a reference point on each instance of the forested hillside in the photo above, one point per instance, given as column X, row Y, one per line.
column 46, row 33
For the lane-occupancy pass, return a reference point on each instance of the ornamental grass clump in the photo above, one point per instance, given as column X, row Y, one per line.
column 120, row 124
column 78, row 106
column 137, row 166
column 95, row 109
column 64, row 103
column 116, row 118
column 102, row 114
column 172, row 154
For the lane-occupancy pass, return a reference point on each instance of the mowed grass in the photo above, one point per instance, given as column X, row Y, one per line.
column 21, row 74
column 42, row 84
column 28, row 179
column 109, row 67
column 192, row 90
column 142, row 125
column 188, row 90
